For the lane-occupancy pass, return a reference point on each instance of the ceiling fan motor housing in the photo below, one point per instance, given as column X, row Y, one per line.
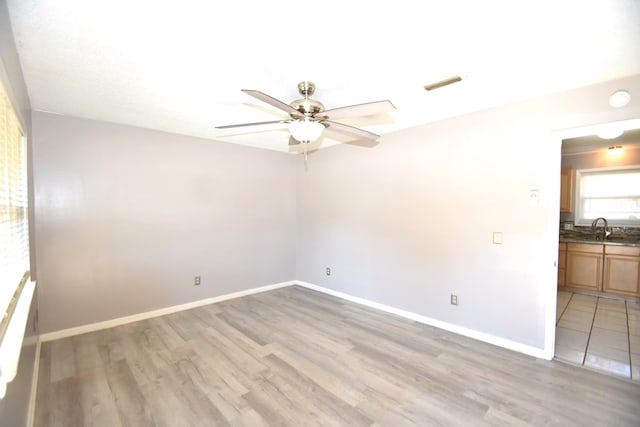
column 307, row 106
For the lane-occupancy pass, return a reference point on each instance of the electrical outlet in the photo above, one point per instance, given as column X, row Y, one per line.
column 328, row 271
column 196, row 282
column 454, row 299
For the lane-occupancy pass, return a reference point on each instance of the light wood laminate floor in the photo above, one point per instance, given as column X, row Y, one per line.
column 295, row 357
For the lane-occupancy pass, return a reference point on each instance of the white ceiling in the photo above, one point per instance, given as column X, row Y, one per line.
column 178, row 66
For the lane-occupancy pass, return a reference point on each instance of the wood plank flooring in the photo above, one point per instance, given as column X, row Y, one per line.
column 295, row 357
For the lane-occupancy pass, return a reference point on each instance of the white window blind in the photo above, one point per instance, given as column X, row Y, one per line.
column 14, row 237
column 613, row 194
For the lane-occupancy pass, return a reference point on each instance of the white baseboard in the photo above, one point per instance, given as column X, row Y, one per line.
column 481, row 336
column 31, row 415
column 92, row 327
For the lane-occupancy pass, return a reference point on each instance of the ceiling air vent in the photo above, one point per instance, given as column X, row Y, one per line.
column 443, row 83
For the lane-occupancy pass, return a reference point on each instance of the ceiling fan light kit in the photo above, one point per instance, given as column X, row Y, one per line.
column 309, row 118
column 305, row 130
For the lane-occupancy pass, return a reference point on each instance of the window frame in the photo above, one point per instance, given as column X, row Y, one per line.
column 14, row 203
column 579, row 219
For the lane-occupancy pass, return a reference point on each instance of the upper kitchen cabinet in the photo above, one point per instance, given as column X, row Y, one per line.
column 566, row 190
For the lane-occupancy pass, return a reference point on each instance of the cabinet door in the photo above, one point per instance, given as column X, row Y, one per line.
column 584, row 270
column 566, row 190
column 562, row 263
column 622, row 274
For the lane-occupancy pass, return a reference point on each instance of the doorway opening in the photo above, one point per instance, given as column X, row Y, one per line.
column 598, row 297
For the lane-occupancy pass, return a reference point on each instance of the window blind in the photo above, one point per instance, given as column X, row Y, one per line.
column 14, row 234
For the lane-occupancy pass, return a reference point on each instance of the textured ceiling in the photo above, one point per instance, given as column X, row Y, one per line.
column 179, row 66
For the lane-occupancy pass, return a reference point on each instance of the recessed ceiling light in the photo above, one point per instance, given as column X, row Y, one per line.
column 619, row 98
column 610, row 133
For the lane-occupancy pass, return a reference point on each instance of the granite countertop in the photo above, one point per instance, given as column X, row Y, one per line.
column 582, row 235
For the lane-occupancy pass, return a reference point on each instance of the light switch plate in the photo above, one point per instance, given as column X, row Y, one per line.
column 497, row 237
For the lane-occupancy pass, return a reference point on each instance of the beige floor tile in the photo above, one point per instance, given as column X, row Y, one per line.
column 575, row 325
column 612, row 304
column 635, row 372
column 635, row 366
column 583, row 303
column 612, row 323
column 582, row 316
column 608, row 312
column 570, row 355
column 610, row 339
column 562, row 301
column 564, row 296
column 608, row 353
column 598, row 332
column 610, row 365
column 633, row 313
column 571, row 339
column 560, row 310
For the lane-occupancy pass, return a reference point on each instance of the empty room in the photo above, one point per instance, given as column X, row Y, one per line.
column 332, row 214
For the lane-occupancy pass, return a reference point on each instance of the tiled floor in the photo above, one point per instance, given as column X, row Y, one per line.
column 599, row 332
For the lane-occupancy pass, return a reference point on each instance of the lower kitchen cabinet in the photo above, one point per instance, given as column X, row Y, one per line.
column 622, row 269
column 562, row 263
column 584, row 266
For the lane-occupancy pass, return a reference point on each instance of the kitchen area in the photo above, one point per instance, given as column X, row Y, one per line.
column 598, row 304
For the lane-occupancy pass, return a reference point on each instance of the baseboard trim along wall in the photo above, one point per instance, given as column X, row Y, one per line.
column 491, row 339
column 92, row 327
column 31, row 415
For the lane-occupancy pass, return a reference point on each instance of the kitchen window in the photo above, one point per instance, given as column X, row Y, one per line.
column 610, row 193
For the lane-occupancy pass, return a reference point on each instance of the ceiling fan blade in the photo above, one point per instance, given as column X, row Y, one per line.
column 351, row 131
column 272, row 101
column 293, row 141
column 367, row 109
column 252, row 124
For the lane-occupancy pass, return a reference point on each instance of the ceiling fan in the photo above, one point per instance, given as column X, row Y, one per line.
column 309, row 118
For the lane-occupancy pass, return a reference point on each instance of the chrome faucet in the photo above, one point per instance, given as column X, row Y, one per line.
column 605, row 232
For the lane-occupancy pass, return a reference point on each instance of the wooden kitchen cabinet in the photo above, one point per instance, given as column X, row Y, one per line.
column 566, row 190
column 622, row 270
column 584, row 266
column 562, row 263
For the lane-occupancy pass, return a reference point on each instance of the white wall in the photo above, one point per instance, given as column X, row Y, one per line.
column 126, row 217
column 411, row 221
